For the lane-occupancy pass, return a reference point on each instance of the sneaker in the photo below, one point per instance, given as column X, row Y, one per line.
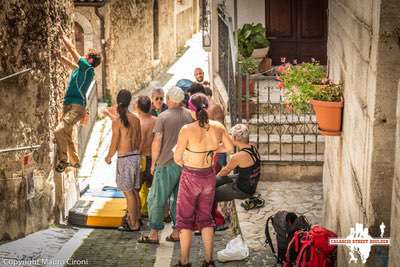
column 60, row 167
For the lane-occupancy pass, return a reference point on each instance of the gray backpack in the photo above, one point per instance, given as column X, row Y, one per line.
column 285, row 225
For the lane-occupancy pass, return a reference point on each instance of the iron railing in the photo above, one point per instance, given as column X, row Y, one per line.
column 205, row 24
column 280, row 134
column 226, row 62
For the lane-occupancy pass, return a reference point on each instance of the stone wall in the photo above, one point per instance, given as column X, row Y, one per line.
column 358, row 168
column 30, row 105
column 184, row 26
column 129, row 33
column 166, row 30
column 395, row 233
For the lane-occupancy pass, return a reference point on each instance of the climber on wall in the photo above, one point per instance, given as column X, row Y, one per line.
column 74, row 101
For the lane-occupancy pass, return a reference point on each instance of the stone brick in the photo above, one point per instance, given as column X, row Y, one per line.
column 358, row 170
column 32, row 106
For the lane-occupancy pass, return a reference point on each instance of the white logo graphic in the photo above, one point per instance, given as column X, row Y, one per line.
column 360, row 242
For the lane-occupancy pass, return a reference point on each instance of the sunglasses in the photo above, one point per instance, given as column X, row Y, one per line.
column 159, row 98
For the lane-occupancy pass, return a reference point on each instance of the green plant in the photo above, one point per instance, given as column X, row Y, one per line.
column 250, row 37
column 248, row 64
column 301, row 82
column 332, row 92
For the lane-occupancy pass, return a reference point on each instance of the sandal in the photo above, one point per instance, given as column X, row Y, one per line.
column 171, row 239
column 183, row 265
column 254, row 202
column 126, row 228
column 208, row 264
column 125, row 225
column 146, row 240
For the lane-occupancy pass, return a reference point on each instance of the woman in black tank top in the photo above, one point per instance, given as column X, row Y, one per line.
column 243, row 183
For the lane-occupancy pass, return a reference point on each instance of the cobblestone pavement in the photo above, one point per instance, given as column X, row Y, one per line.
column 110, row 247
column 37, row 247
column 300, row 197
column 220, row 241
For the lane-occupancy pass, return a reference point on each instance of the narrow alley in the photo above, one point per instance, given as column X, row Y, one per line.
column 199, row 133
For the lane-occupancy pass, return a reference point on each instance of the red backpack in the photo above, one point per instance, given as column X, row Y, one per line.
column 313, row 248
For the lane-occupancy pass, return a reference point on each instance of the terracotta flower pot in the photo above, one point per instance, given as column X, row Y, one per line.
column 329, row 116
column 251, row 87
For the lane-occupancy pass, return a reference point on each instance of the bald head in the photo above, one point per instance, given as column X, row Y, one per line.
column 199, row 74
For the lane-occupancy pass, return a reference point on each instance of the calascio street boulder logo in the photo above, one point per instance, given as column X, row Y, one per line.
column 359, row 242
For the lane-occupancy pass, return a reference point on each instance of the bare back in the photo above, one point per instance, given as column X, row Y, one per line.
column 128, row 139
column 202, row 144
column 216, row 112
column 147, row 123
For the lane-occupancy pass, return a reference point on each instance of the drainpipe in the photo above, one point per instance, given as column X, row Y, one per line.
column 103, row 52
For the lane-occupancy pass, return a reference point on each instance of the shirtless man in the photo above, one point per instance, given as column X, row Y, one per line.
column 147, row 123
column 126, row 139
column 215, row 111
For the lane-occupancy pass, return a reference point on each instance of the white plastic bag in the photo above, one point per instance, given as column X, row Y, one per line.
column 235, row 250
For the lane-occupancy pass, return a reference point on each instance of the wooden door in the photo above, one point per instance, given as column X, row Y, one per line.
column 297, row 29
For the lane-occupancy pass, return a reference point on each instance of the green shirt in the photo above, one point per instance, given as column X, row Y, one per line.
column 79, row 83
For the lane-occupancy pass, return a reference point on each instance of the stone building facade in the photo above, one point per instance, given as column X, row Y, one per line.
column 141, row 38
column 30, row 108
column 364, row 53
column 395, row 232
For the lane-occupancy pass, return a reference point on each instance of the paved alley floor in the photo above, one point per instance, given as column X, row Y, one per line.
column 303, row 198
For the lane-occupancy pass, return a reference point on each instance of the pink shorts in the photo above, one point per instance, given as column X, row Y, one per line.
column 195, row 199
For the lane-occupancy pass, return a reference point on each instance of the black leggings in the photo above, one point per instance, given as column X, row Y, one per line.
column 226, row 189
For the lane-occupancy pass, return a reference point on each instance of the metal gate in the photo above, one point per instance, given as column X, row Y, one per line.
column 226, row 63
column 280, row 134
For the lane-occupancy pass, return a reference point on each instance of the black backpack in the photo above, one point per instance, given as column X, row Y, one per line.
column 285, row 231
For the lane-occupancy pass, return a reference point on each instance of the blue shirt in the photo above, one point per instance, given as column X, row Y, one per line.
column 79, row 83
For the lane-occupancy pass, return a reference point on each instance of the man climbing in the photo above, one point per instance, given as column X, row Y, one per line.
column 74, row 101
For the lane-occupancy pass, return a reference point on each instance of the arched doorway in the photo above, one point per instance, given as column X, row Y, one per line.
column 79, row 38
column 156, row 29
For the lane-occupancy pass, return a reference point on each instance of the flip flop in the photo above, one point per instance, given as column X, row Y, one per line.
column 146, row 240
column 126, row 228
column 171, row 239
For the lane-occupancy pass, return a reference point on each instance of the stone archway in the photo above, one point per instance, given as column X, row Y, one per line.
column 88, row 34
column 79, row 38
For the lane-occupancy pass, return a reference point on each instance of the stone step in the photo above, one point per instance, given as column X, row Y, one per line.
column 284, row 127
column 289, row 158
column 286, row 145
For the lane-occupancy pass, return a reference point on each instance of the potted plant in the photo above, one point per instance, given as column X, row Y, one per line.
column 252, row 41
column 300, row 82
column 306, row 84
column 327, row 103
column 248, row 66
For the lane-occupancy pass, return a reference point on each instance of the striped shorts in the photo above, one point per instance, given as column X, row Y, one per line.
column 128, row 172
